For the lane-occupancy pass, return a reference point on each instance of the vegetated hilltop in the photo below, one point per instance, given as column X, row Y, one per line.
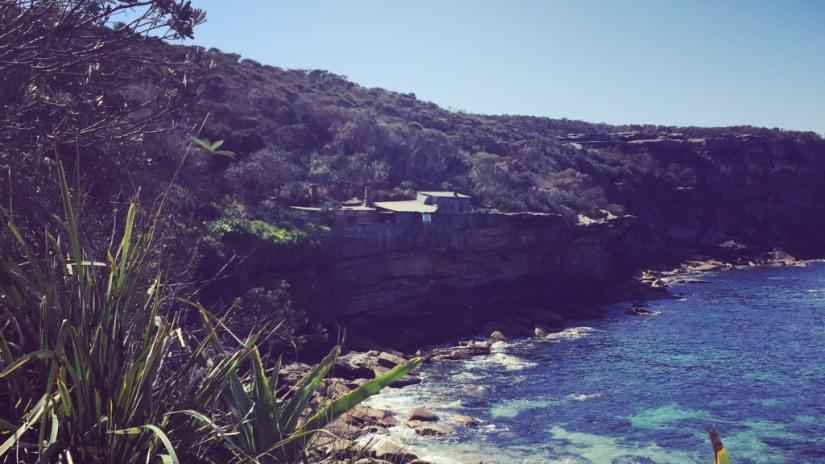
column 293, row 128
column 689, row 189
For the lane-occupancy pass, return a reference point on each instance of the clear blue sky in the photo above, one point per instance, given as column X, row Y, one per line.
column 690, row 62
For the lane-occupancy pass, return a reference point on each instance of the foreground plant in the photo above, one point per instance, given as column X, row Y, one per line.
column 95, row 368
column 85, row 349
column 272, row 430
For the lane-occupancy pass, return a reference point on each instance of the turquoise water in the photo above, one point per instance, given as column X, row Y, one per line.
column 745, row 352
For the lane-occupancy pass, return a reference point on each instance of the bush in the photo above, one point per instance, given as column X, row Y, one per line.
column 96, row 368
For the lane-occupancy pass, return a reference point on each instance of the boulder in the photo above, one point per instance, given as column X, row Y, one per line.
column 391, row 451
column 421, row 414
column 462, row 351
column 466, row 421
column 497, row 336
column 539, row 332
column 342, row 429
column 363, row 415
column 406, row 381
column 390, row 360
column 429, row 429
column 354, row 365
column 638, row 311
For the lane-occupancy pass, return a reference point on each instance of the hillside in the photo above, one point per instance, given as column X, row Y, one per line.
column 293, row 128
column 688, row 189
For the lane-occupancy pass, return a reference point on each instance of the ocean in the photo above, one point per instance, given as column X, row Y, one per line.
column 744, row 352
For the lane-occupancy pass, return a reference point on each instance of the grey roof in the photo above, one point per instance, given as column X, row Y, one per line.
column 445, row 194
column 406, row 206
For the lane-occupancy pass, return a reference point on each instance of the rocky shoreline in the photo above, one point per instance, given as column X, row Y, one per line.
column 691, row 271
column 352, row 438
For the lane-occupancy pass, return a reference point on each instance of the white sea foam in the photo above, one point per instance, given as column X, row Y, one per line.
column 572, row 333
column 499, row 347
column 582, row 397
column 508, row 361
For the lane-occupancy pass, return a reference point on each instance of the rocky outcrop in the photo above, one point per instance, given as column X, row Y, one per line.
column 437, row 282
column 701, row 193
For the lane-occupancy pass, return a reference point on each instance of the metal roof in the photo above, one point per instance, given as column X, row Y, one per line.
column 445, row 194
column 406, row 206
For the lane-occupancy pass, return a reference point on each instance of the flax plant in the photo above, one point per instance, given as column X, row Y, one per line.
column 93, row 367
column 96, row 369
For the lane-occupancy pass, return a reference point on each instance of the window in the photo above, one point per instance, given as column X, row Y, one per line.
column 426, row 218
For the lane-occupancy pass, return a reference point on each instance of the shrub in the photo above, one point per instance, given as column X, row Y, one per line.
column 96, row 368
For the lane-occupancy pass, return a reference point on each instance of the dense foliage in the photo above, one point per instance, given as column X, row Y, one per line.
column 97, row 367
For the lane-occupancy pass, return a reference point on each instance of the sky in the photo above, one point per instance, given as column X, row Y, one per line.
column 691, row 62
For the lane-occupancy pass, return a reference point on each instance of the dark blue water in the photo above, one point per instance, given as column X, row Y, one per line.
column 745, row 352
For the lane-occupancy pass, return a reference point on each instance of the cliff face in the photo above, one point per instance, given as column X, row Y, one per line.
column 762, row 192
column 311, row 137
column 487, row 259
column 439, row 290
column 441, row 281
column 445, row 281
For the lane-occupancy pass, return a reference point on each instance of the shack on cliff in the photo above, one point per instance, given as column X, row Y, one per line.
column 426, row 204
column 421, row 210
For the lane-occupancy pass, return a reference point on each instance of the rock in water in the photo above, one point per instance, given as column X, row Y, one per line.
column 466, row 421
column 636, row 311
column 539, row 332
column 429, row 429
column 393, row 452
column 390, row 360
column 421, row 414
column 497, row 336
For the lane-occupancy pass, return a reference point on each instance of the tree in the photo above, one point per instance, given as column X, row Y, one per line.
column 74, row 82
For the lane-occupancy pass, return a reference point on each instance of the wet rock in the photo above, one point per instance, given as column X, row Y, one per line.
column 421, row 414
column 348, row 371
column 429, row 429
column 497, row 336
column 466, row 421
column 394, row 452
column 390, row 360
column 407, row 380
column 637, row 311
column 342, row 429
column 465, row 351
column 363, row 415
column 354, row 365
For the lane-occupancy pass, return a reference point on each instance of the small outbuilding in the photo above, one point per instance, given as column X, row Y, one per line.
column 447, row 202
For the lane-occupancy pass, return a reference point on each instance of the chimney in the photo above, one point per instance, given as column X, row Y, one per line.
column 367, row 196
column 313, row 194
